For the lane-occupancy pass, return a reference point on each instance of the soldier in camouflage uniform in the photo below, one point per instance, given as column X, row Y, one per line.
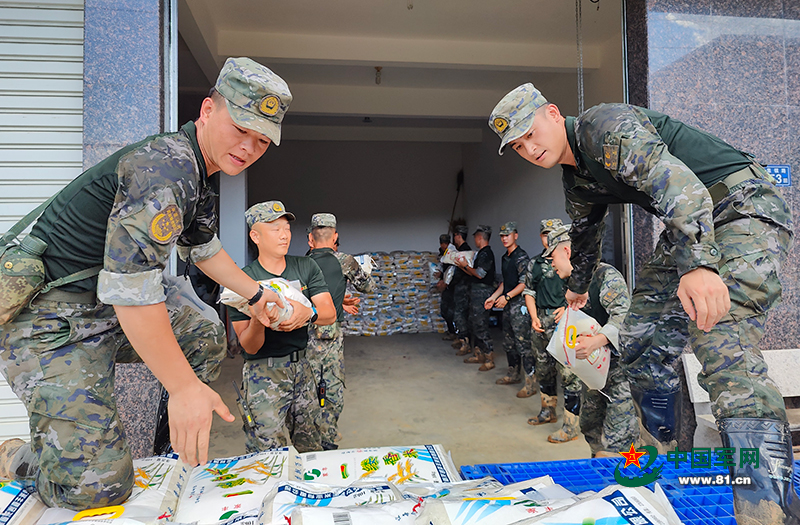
column 710, row 282
column 544, row 297
column 460, row 284
column 516, row 320
column 125, row 215
column 326, row 343
column 607, row 420
column 279, row 386
column 481, row 282
column 448, row 306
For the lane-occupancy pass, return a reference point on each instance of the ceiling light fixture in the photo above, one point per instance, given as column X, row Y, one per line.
column 378, row 74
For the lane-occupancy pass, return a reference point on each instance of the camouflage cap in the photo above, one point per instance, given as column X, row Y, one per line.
column 556, row 237
column 444, row 238
column 256, row 97
column 483, row 228
column 323, row 220
column 266, row 212
column 548, row 225
column 512, row 117
column 461, row 230
column 508, row 228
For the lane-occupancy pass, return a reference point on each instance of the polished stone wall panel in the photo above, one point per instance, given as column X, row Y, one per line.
column 123, row 103
column 731, row 68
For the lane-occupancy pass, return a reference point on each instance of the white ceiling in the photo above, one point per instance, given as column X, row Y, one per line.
column 444, row 59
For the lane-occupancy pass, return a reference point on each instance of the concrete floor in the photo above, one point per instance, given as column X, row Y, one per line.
column 410, row 389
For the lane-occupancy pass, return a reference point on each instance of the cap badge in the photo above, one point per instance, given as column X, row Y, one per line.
column 269, row 105
column 277, row 207
column 500, row 124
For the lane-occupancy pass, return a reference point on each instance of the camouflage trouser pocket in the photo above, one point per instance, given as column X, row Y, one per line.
column 750, row 265
column 21, row 276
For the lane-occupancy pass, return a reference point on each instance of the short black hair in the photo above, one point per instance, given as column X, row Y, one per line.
column 322, row 233
column 215, row 95
column 486, row 235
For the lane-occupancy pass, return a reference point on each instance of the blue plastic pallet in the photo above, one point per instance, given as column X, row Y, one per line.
column 695, row 505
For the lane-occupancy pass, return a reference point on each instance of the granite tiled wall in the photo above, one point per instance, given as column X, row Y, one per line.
column 122, row 101
column 731, row 68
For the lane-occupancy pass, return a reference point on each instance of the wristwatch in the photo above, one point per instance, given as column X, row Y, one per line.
column 314, row 315
column 508, row 298
column 257, row 296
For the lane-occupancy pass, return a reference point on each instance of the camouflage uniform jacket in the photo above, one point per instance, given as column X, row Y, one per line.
column 626, row 154
column 608, row 295
column 143, row 201
column 354, row 273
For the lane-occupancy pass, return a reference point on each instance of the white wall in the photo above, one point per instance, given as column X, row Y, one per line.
column 508, row 188
column 386, row 195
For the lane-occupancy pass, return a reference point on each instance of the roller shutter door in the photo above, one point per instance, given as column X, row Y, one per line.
column 41, row 124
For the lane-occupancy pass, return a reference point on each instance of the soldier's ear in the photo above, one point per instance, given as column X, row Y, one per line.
column 253, row 236
column 206, row 108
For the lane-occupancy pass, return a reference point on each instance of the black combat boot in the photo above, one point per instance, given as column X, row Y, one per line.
column 660, row 415
column 770, row 496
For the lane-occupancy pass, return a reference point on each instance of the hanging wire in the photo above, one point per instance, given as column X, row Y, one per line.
column 579, row 36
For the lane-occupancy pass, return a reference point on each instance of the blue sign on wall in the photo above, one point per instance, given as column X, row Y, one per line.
column 781, row 174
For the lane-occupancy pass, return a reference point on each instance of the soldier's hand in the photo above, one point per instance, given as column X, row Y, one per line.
column 441, row 286
column 704, row 296
column 300, row 316
column 577, row 301
column 558, row 313
column 536, row 324
column 350, row 309
column 350, row 300
column 265, row 315
column 191, row 410
column 586, row 344
column 501, row 302
column 488, row 304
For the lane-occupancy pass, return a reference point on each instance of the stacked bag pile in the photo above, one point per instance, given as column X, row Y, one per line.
column 405, row 300
column 411, row 485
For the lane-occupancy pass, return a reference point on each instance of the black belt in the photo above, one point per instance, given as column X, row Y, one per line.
column 723, row 188
column 294, row 357
column 548, row 310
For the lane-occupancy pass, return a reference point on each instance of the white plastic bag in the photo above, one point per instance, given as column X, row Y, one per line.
column 282, row 287
column 366, row 262
column 594, row 369
column 452, row 256
column 449, row 273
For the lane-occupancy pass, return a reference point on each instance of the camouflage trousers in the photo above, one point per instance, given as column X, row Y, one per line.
column 284, row 404
column 547, row 369
column 608, row 419
column 59, row 359
column 517, row 330
column 752, row 227
column 448, row 308
column 326, row 358
column 479, row 316
column 461, row 311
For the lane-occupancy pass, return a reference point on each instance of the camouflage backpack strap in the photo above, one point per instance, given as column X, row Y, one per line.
column 71, row 278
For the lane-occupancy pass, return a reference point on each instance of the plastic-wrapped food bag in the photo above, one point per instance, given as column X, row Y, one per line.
column 452, row 256
column 594, row 369
column 282, row 287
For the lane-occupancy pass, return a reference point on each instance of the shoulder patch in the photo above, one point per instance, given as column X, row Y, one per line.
column 166, row 225
column 611, row 157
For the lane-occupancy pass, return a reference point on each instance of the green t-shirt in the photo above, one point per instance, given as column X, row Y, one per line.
column 103, row 217
column 332, row 270
column 301, row 272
